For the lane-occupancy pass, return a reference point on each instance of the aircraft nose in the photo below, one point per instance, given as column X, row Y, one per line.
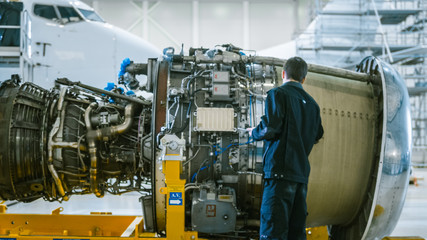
column 134, row 48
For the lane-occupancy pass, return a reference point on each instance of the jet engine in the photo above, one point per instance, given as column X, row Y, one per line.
column 77, row 139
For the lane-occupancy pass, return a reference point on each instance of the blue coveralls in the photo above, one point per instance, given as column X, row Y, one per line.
column 290, row 127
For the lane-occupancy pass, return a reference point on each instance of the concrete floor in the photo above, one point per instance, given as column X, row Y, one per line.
column 126, row 204
column 413, row 220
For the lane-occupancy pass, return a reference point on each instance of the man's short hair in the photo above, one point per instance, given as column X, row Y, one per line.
column 295, row 68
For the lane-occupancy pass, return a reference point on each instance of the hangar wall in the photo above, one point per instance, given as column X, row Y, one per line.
column 251, row 24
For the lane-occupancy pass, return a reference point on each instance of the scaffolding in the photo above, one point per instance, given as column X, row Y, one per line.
column 345, row 31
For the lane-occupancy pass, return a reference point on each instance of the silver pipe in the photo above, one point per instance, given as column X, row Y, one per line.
column 103, row 134
column 92, row 151
column 58, row 182
column 331, row 71
column 129, row 110
column 51, row 168
column 68, row 145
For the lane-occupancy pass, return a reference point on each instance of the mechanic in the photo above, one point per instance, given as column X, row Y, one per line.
column 290, row 127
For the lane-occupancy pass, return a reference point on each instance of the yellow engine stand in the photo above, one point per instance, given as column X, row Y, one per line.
column 175, row 200
column 59, row 226
column 102, row 226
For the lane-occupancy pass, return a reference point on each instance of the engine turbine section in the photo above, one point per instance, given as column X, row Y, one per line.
column 69, row 141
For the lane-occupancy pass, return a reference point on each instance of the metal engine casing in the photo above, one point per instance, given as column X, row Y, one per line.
column 77, row 139
column 55, row 146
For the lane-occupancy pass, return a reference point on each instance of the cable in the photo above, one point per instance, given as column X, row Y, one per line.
column 230, row 145
column 184, row 125
column 79, row 154
column 193, row 157
column 216, row 154
column 250, row 110
column 190, row 104
column 201, row 168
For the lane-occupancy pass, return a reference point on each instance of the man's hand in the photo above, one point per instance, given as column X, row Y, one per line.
column 249, row 130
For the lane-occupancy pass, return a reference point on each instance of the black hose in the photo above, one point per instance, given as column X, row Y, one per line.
column 187, row 118
column 190, row 104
